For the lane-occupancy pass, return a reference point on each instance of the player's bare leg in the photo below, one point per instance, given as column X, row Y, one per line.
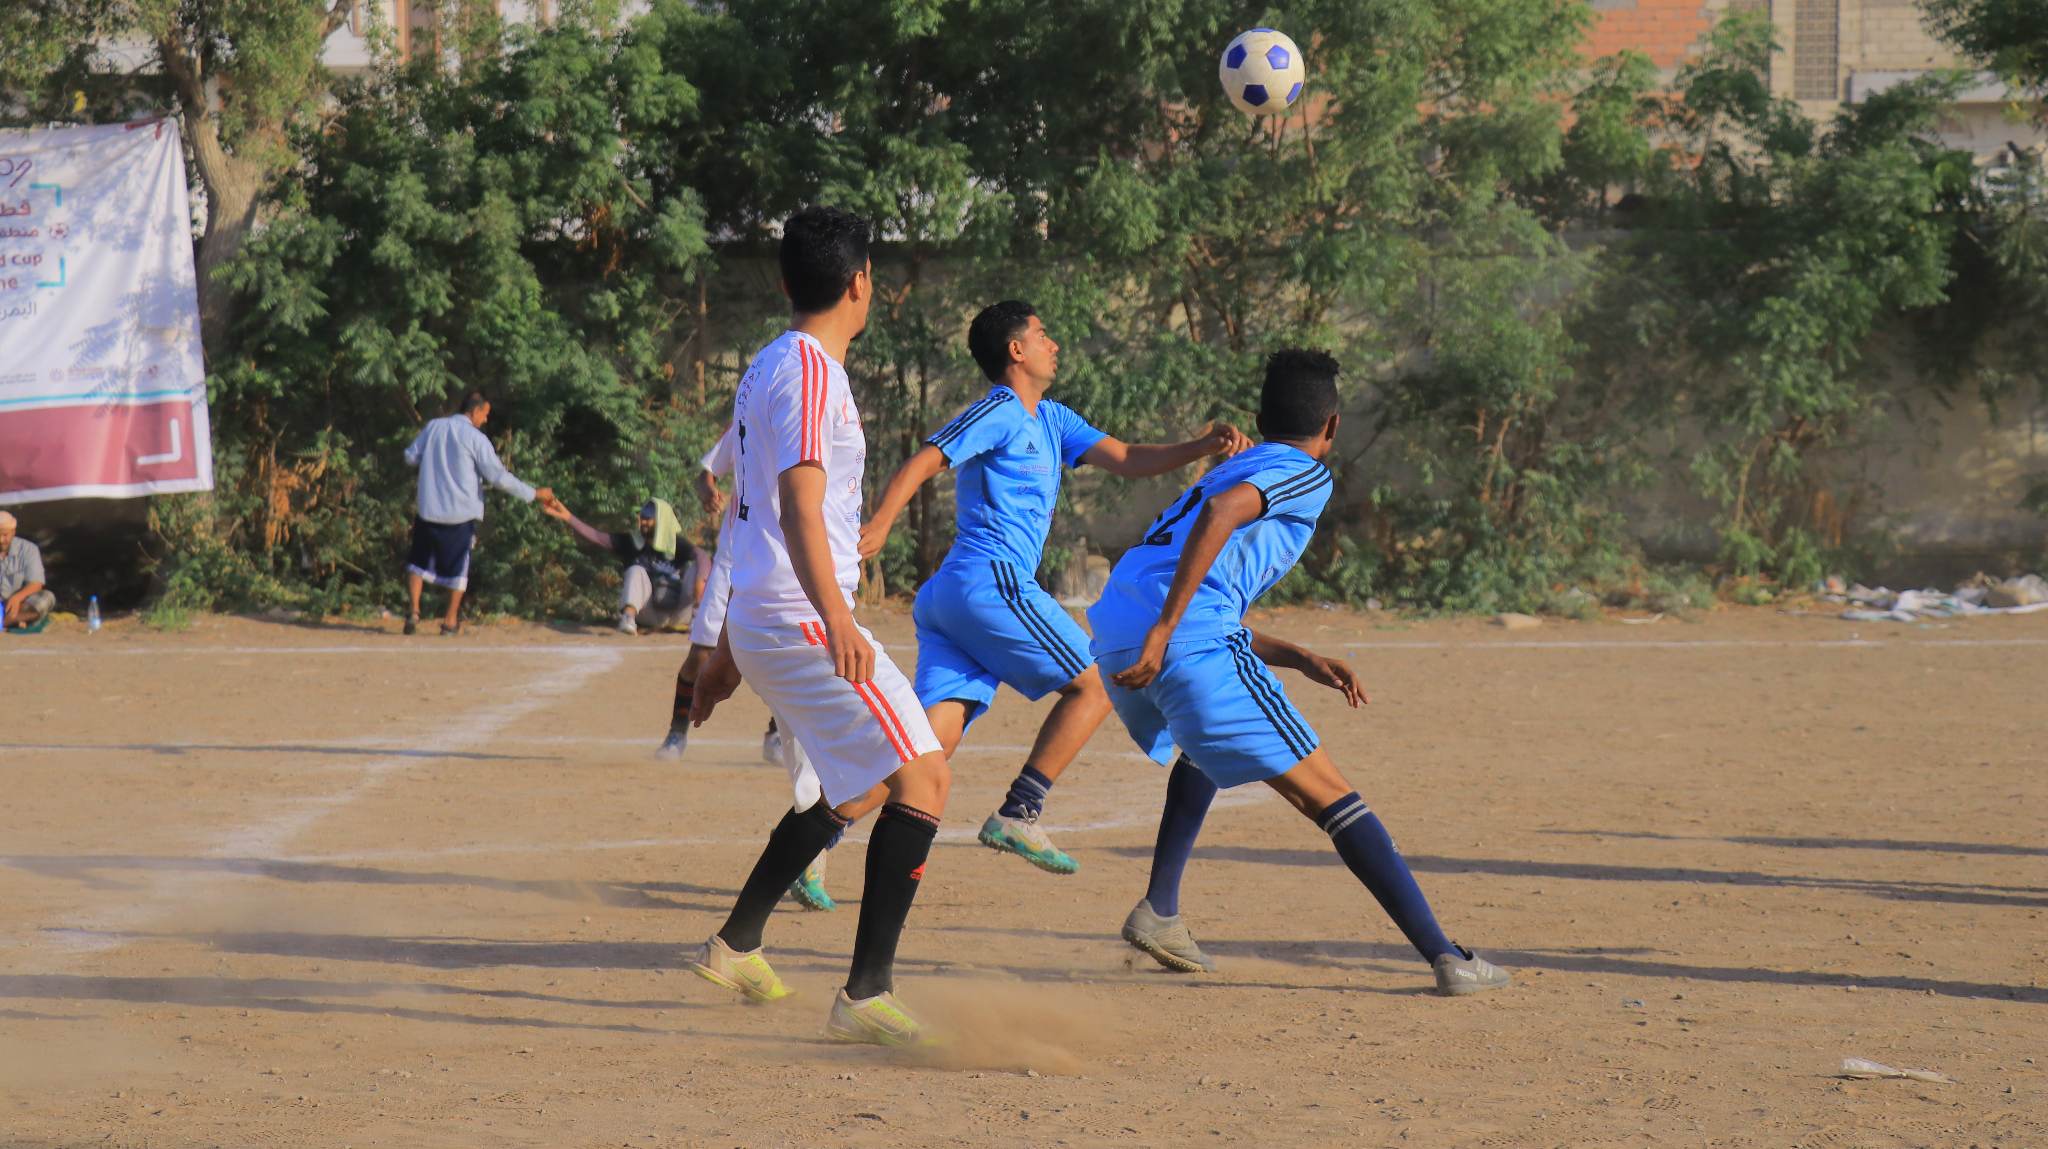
column 1014, row 828
column 413, row 584
column 1316, row 788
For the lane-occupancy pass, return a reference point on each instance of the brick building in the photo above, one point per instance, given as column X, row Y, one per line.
column 1833, row 52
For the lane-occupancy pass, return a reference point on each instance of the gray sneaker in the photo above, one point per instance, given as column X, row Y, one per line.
column 1457, row 976
column 1166, row 939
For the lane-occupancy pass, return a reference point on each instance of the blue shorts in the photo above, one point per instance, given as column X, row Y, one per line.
column 981, row 623
column 1216, row 701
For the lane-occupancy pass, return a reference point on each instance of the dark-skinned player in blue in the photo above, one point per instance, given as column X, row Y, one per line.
column 982, row 619
column 1184, row 671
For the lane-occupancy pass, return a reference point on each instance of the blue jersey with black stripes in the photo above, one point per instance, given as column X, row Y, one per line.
column 1294, row 488
column 1006, row 462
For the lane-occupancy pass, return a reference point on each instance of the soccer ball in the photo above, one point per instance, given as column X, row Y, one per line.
column 1262, row 72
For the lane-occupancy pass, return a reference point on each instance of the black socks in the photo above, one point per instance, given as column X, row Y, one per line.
column 686, row 696
column 896, row 855
column 797, row 839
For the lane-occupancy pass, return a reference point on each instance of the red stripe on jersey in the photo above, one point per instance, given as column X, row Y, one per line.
column 818, row 412
column 814, row 632
column 816, row 382
column 891, row 729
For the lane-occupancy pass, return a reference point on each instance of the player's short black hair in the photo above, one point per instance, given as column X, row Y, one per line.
column 823, row 248
column 989, row 336
column 1300, row 393
column 472, row 399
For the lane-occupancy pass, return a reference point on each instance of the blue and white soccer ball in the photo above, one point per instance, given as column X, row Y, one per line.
column 1262, row 72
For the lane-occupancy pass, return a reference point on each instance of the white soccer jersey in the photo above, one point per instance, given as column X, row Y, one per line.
column 794, row 406
column 718, row 460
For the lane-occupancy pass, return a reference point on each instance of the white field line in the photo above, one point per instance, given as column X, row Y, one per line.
column 169, row 893
column 573, row 649
column 1141, row 814
column 149, row 752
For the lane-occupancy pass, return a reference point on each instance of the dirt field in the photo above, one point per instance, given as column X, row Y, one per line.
column 275, row 885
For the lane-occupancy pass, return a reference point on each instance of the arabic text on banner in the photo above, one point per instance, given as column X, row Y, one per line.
column 102, row 384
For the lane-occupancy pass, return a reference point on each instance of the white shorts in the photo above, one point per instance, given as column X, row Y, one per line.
column 855, row 736
column 710, row 618
column 804, row 790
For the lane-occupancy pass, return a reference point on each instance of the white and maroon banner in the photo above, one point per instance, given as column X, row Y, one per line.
column 102, row 386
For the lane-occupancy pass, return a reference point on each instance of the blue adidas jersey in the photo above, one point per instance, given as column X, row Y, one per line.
column 1006, row 462
column 1295, row 489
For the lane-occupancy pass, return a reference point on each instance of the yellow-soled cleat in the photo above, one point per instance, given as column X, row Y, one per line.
column 877, row 1020
column 745, row 973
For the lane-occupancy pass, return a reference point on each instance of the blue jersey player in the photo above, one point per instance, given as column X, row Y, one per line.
column 1185, row 671
column 982, row 618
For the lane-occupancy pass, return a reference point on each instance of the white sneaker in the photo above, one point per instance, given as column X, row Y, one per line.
column 771, row 747
column 627, row 625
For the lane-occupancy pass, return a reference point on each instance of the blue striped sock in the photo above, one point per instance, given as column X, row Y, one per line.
column 1366, row 847
column 1027, row 794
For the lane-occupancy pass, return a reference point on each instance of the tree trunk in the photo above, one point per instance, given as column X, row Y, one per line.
column 232, row 188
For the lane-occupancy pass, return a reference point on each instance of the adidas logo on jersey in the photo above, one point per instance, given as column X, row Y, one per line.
column 1031, row 448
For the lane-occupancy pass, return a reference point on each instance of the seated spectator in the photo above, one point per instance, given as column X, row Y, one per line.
column 26, row 600
column 662, row 578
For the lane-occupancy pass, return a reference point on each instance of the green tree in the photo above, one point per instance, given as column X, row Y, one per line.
column 2009, row 36
column 239, row 74
column 1769, row 255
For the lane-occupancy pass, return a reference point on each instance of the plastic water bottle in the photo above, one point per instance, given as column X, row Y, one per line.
column 92, row 614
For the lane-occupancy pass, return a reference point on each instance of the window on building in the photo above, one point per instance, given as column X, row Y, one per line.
column 1816, row 50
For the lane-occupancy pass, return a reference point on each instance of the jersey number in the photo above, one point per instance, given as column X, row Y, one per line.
column 1161, row 533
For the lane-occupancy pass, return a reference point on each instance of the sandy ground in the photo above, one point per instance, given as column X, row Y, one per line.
column 267, row 884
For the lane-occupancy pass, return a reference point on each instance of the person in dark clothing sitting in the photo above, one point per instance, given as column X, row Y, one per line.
column 662, row 578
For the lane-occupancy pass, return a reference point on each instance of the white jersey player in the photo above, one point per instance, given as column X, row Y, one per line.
column 790, row 632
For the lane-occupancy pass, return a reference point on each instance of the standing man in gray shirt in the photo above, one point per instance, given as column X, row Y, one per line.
column 454, row 461
column 23, row 598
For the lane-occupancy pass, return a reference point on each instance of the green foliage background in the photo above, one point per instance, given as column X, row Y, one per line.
column 1549, row 278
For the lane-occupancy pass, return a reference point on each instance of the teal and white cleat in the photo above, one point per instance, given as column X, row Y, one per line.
column 1025, row 838
column 877, row 1020
column 809, row 887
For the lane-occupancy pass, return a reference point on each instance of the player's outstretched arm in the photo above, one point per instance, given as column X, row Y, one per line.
column 902, row 486
column 1331, row 672
column 1225, row 512
column 1137, row 460
column 810, row 553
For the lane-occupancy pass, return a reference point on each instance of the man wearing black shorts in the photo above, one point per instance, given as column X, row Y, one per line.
column 454, row 461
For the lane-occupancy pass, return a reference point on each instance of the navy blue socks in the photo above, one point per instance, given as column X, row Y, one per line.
column 1365, row 846
column 1027, row 794
column 1188, row 794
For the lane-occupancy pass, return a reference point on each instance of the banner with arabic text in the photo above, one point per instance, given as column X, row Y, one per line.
column 102, row 385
